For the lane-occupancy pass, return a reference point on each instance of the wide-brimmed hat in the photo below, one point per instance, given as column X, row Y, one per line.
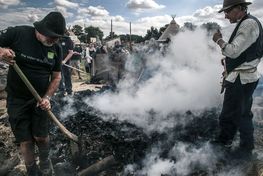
column 231, row 3
column 52, row 25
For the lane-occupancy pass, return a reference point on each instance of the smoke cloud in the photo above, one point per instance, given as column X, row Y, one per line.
column 186, row 78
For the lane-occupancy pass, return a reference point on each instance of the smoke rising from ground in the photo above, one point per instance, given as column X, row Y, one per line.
column 186, row 78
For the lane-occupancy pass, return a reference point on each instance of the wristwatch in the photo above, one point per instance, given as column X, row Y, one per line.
column 47, row 97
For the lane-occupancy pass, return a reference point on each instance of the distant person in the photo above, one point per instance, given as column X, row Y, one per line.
column 76, row 58
column 103, row 49
column 65, row 86
column 242, row 55
column 92, row 53
column 92, row 50
column 36, row 52
column 88, row 60
column 117, row 47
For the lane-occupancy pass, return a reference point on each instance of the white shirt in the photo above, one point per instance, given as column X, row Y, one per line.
column 246, row 35
column 88, row 57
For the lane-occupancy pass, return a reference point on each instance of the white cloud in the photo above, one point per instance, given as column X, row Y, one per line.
column 33, row 17
column 93, row 11
column 143, row 4
column 100, row 17
column 207, row 11
column 66, row 3
column 5, row 3
column 64, row 11
column 22, row 16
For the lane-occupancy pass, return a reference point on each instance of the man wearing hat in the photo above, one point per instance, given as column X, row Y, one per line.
column 35, row 51
column 242, row 55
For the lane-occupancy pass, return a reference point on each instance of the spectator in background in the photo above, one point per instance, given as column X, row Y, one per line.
column 67, row 47
column 76, row 58
column 117, row 47
column 92, row 53
column 88, row 60
column 102, row 50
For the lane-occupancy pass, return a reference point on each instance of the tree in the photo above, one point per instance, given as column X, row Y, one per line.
column 111, row 36
column 190, row 26
column 211, row 26
column 134, row 38
column 152, row 33
column 162, row 29
column 93, row 32
column 77, row 30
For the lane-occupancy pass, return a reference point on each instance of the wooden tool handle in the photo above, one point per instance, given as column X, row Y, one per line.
column 38, row 98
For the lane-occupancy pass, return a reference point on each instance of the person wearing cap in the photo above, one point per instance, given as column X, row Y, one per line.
column 242, row 54
column 36, row 52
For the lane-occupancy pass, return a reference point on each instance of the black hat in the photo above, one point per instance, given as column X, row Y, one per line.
column 231, row 3
column 52, row 25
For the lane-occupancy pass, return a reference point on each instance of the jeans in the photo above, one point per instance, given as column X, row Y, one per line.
column 65, row 83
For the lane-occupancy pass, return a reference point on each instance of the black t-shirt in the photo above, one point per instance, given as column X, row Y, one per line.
column 35, row 60
column 66, row 44
column 77, row 56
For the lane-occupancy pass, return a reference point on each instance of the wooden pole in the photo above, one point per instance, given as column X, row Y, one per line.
column 98, row 167
column 130, row 38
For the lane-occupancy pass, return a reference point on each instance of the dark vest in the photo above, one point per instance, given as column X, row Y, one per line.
column 253, row 52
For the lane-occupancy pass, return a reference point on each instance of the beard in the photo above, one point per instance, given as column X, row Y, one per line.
column 48, row 44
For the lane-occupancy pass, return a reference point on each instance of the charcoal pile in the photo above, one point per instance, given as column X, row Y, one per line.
column 99, row 138
column 130, row 150
column 126, row 142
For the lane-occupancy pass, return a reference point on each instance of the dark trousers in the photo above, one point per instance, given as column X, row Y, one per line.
column 65, row 83
column 236, row 114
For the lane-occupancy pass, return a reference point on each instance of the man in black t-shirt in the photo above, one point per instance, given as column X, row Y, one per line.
column 76, row 58
column 67, row 50
column 35, row 51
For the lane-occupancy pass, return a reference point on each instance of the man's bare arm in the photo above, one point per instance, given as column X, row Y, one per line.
column 70, row 54
column 55, row 80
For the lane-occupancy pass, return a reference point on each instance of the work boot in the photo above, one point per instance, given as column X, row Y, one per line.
column 33, row 170
column 46, row 168
column 220, row 144
column 241, row 153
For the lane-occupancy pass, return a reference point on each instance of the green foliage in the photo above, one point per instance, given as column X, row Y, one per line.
column 77, row 30
column 111, row 35
column 152, row 33
column 162, row 29
column 211, row 26
column 190, row 26
column 93, row 32
column 134, row 38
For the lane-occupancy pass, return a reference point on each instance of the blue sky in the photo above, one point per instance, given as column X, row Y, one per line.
column 141, row 13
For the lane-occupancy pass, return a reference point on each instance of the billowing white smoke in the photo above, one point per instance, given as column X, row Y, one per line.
column 186, row 78
column 189, row 160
